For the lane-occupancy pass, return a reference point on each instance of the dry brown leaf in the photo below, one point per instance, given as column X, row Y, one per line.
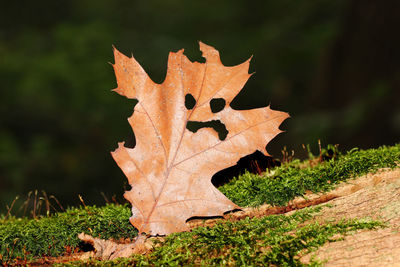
column 109, row 250
column 170, row 168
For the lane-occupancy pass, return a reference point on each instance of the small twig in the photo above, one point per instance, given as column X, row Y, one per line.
column 114, row 199
column 47, row 203
column 256, row 168
column 39, row 205
column 34, row 205
column 105, row 198
column 81, row 199
column 58, row 203
column 25, row 204
column 12, row 205
column 320, row 150
column 284, row 154
column 286, row 158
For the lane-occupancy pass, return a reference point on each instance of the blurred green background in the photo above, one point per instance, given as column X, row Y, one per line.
column 333, row 65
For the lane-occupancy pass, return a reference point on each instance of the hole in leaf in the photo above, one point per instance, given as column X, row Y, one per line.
column 218, row 126
column 189, row 101
column 217, row 104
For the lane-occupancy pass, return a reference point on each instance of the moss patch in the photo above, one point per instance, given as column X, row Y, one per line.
column 243, row 241
column 272, row 240
column 22, row 238
column 291, row 180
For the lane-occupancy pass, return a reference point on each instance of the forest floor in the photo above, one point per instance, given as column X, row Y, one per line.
column 342, row 212
column 373, row 196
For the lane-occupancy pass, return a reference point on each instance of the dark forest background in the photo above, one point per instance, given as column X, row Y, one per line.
column 333, row 65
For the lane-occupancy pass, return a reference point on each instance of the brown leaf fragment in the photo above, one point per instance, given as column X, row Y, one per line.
column 170, row 168
column 109, row 250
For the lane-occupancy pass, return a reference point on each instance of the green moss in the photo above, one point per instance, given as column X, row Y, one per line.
column 26, row 238
column 292, row 180
column 272, row 240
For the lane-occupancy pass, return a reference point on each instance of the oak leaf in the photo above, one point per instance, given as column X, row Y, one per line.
column 170, row 168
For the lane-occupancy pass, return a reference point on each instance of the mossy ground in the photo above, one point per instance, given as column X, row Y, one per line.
column 272, row 240
column 286, row 182
column 277, row 239
column 22, row 238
